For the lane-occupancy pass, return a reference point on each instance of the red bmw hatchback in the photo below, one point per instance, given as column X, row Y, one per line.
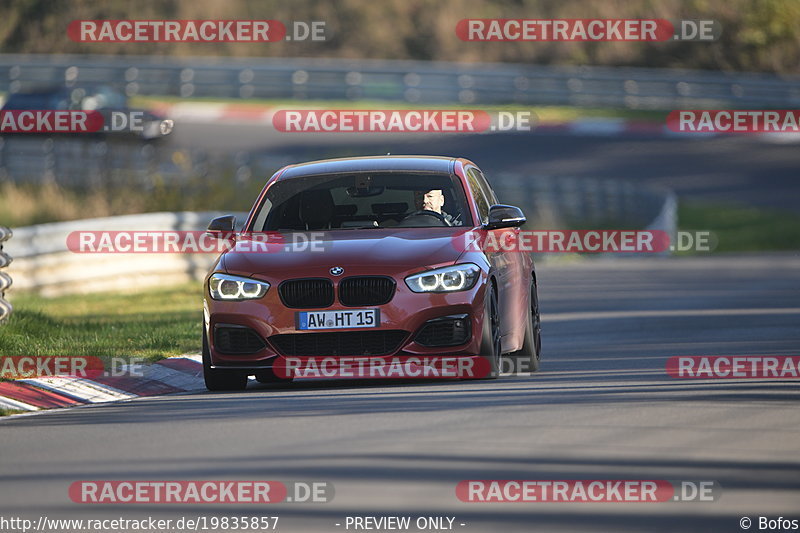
column 370, row 262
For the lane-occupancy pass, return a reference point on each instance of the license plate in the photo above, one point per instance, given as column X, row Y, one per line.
column 346, row 318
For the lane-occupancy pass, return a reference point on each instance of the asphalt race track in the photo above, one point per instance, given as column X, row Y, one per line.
column 602, row 408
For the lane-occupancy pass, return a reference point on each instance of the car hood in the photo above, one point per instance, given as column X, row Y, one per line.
column 383, row 250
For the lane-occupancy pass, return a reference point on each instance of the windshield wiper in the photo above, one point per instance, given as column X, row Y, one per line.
column 356, row 227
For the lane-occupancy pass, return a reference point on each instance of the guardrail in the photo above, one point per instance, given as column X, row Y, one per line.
column 44, row 264
column 5, row 279
column 411, row 81
column 93, row 162
column 556, row 202
column 565, row 201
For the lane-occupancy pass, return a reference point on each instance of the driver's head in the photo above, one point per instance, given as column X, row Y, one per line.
column 432, row 200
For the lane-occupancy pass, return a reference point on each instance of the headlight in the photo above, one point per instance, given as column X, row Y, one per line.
column 447, row 279
column 225, row 287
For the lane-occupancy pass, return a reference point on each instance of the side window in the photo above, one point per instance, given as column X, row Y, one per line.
column 487, row 188
column 479, row 194
column 261, row 218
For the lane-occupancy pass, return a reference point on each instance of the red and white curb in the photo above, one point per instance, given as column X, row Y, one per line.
column 175, row 374
column 209, row 112
column 603, row 127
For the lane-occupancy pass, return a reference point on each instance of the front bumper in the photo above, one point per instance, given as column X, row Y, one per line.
column 406, row 312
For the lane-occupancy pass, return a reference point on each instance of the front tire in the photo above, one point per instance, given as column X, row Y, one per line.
column 491, row 349
column 217, row 379
column 530, row 353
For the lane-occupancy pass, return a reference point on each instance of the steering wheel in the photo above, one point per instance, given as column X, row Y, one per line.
column 424, row 217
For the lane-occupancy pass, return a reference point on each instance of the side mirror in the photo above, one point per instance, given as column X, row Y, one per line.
column 504, row 216
column 222, row 227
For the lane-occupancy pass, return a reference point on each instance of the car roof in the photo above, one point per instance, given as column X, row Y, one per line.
column 386, row 163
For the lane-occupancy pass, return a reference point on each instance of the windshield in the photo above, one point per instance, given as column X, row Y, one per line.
column 24, row 101
column 363, row 200
column 102, row 97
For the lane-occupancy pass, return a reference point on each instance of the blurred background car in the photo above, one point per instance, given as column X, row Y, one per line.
column 118, row 117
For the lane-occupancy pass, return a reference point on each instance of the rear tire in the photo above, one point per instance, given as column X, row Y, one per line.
column 217, row 379
column 526, row 359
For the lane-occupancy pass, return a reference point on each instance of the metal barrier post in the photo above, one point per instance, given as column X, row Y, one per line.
column 5, row 279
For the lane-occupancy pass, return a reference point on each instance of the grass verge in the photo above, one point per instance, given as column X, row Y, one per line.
column 743, row 229
column 150, row 324
column 26, row 204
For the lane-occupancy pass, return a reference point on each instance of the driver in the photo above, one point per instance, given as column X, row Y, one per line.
column 432, row 200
